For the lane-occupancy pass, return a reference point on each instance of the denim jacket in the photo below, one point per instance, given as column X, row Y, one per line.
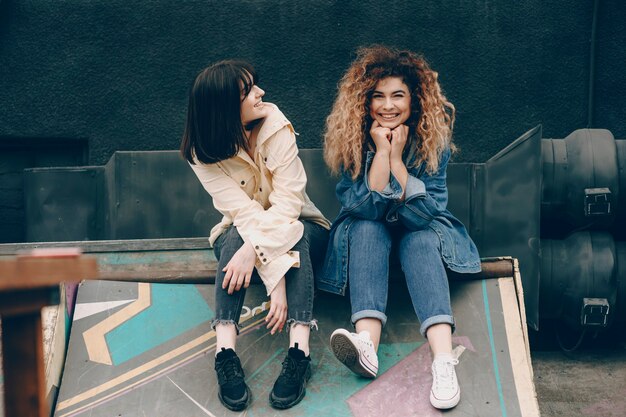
column 425, row 202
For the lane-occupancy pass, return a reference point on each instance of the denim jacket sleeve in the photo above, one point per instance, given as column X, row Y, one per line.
column 425, row 197
column 359, row 200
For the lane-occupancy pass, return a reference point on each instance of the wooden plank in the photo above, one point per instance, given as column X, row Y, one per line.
column 25, row 382
column 28, row 283
column 519, row 353
column 184, row 260
column 32, row 272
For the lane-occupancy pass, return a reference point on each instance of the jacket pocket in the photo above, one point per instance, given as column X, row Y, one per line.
column 245, row 179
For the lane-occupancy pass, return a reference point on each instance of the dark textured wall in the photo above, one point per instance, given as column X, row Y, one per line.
column 116, row 72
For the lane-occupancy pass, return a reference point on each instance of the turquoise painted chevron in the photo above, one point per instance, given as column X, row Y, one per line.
column 174, row 309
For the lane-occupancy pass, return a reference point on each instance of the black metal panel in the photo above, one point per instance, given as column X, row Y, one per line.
column 320, row 183
column 64, row 204
column 156, row 195
column 507, row 209
column 460, row 192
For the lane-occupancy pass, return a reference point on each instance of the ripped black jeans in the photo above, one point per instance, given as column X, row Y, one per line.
column 299, row 282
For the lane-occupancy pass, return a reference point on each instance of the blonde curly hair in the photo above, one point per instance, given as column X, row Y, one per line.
column 347, row 127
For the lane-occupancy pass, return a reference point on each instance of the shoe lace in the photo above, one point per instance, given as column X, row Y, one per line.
column 230, row 371
column 443, row 372
column 291, row 372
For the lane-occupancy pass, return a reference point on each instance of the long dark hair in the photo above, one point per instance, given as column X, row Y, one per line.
column 213, row 131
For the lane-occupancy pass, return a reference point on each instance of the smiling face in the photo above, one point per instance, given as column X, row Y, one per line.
column 252, row 106
column 390, row 104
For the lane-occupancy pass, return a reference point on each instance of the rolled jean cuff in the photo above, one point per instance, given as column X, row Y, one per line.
column 215, row 322
column 369, row 314
column 441, row 318
column 311, row 323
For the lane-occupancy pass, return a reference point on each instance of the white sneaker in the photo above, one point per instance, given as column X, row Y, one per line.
column 445, row 392
column 356, row 351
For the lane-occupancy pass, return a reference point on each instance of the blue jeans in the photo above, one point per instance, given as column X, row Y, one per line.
column 299, row 282
column 370, row 245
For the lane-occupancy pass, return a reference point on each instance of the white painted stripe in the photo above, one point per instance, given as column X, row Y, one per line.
column 207, row 412
column 89, row 309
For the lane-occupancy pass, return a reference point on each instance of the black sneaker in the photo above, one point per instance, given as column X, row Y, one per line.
column 233, row 391
column 289, row 388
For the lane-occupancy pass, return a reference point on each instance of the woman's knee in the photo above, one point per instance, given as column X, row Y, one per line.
column 368, row 229
column 228, row 243
column 421, row 240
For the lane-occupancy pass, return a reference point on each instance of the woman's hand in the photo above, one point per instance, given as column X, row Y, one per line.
column 381, row 136
column 399, row 137
column 277, row 316
column 239, row 268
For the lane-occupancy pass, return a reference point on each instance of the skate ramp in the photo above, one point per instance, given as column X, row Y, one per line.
column 146, row 349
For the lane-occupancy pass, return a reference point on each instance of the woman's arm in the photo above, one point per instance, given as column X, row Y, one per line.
column 378, row 174
column 425, row 198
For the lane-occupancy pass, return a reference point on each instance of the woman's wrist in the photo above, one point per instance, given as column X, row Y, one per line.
column 382, row 153
column 396, row 164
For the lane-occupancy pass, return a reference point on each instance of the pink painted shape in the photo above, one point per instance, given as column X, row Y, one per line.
column 404, row 390
column 401, row 391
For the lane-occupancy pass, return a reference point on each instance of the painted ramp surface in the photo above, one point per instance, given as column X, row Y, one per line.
column 139, row 349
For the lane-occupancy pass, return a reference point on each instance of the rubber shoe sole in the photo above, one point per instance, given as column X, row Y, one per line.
column 445, row 404
column 282, row 404
column 239, row 406
column 348, row 354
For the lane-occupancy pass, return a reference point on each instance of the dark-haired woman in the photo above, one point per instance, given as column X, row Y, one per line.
column 390, row 135
column 244, row 153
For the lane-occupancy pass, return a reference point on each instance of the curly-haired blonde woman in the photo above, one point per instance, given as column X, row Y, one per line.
column 389, row 135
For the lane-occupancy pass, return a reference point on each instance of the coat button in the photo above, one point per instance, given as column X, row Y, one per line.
column 256, row 247
column 261, row 254
column 243, row 182
column 265, row 159
column 264, row 260
column 260, row 189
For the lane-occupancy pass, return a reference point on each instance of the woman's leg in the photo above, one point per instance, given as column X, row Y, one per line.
column 300, row 284
column 233, row 391
column 428, row 286
column 290, row 387
column 227, row 306
column 368, row 269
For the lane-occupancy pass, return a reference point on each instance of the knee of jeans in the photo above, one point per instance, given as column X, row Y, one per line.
column 426, row 238
column 368, row 229
column 303, row 244
column 228, row 243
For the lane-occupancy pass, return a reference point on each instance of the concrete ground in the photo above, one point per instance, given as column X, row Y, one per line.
column 590, row 381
